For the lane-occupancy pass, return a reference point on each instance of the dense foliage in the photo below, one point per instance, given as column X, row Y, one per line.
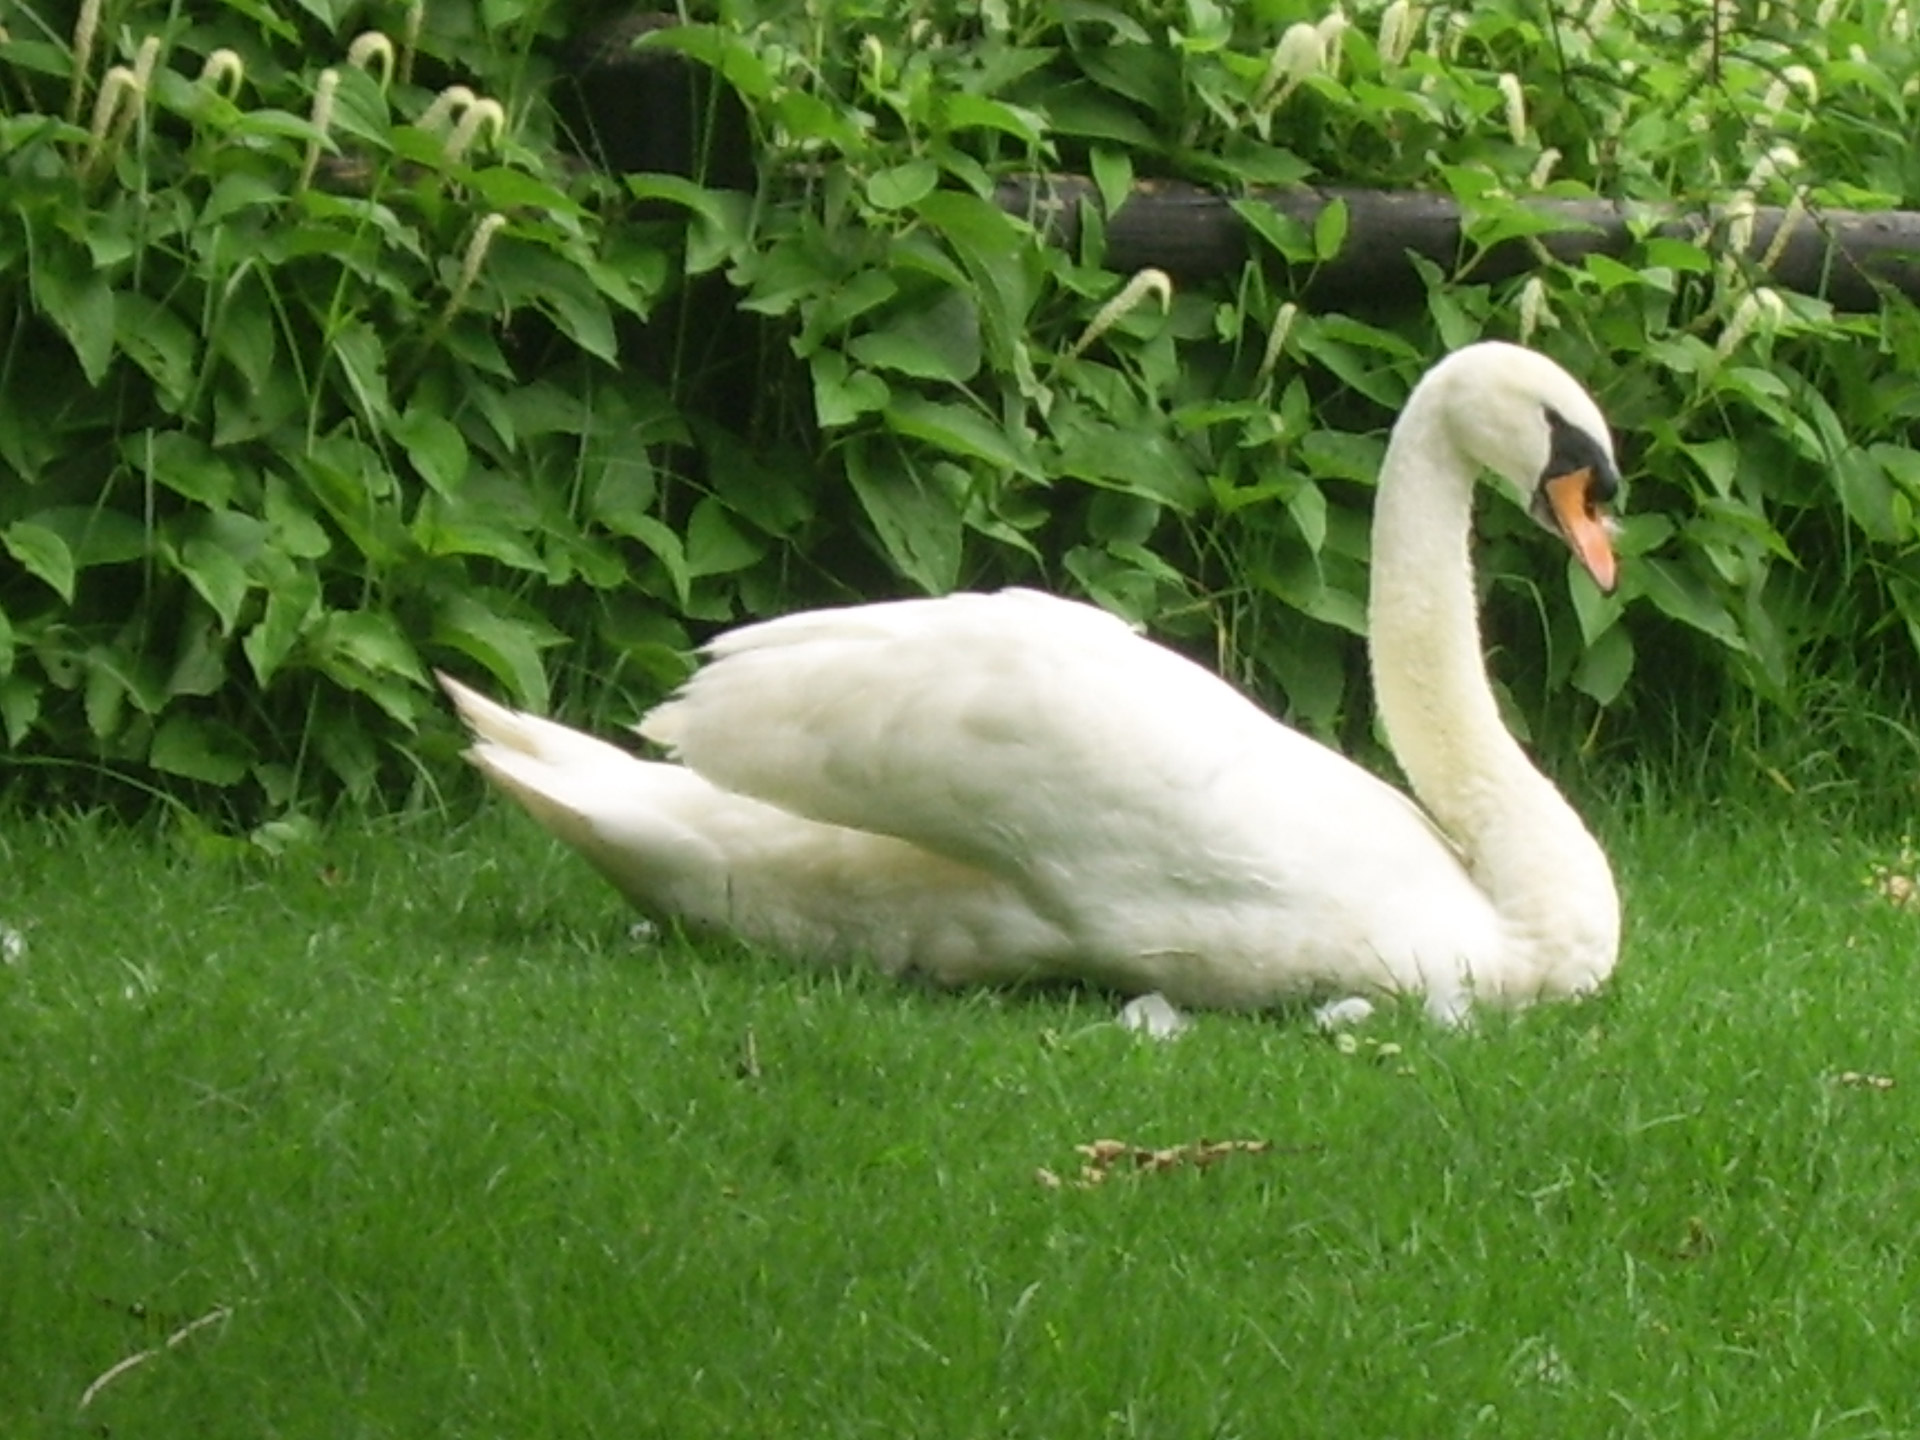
column 325, row 360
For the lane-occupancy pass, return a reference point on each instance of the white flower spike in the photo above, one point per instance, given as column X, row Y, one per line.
column 447, row 107
column 1790, row 219
column 86, row 28
column 1397, row 25
column 1739, row 213
column 483, row 115
column 410, row 39
column 1283, row 319
column 223, row 72
column 1779, row 163
column 470, row 263
column 1331, row 29
column 1761, row 310
column 1302, row 51
column 370, row 50
column 1145, row 283
column 1794, row 79
column 1516, row 99
column 122, row 98
column 1534, row 311
column 321, row 117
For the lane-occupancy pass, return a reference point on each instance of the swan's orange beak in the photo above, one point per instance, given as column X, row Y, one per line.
column 1583, row 524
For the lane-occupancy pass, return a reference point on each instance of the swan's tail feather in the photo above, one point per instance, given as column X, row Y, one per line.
column 547, row 741
column 540, row 763
column 638, row 822
column 537, row 788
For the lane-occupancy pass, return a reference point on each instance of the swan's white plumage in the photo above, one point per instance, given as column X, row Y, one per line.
column 1009, row 786
column 677, row 846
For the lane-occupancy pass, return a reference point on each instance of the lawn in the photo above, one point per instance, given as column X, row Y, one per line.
column 404, row 1134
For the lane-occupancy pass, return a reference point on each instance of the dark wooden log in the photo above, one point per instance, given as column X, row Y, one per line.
column 1193, row 233
column 654, row 110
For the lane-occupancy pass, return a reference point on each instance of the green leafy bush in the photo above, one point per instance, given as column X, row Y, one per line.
column 1201, row 461
column 318, row 371
column 309, row 374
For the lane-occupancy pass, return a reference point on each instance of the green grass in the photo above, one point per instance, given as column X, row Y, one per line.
column 462, row 1159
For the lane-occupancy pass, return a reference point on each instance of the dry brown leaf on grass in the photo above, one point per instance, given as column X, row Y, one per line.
column 1100, row 1158
column 1898, row 881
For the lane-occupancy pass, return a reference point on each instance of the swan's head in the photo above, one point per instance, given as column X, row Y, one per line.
column 1515, row 412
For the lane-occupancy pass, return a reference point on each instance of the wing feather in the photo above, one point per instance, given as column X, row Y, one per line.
column 1039, row 739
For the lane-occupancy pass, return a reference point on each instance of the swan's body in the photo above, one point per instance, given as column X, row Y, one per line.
column 993, row 788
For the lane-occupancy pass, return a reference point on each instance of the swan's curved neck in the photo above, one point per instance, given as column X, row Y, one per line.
column 1429, row 676
column 1523, row 844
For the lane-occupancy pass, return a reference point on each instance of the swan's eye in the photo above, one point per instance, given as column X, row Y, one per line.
column 1572, row 449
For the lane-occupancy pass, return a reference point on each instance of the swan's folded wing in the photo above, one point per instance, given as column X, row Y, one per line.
column 1033, row 737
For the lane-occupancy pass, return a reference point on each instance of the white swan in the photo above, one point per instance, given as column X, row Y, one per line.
column 993, row 788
